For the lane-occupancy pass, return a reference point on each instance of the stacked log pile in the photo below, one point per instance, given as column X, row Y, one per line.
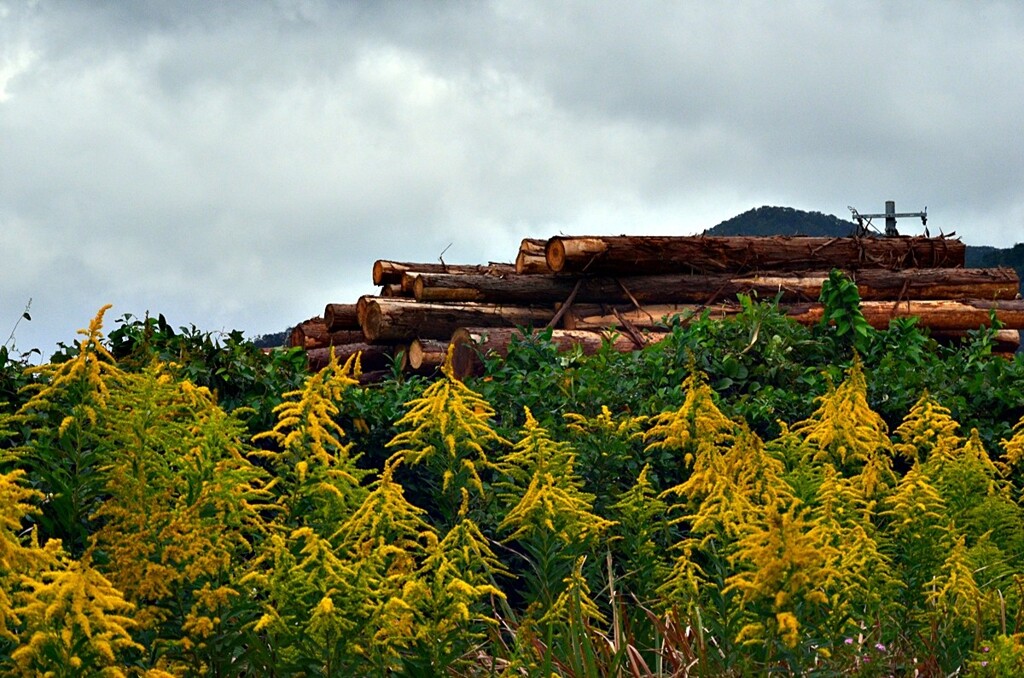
column 622, row 289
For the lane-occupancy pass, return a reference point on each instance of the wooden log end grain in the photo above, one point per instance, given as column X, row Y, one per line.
column 387, row 272
column 558, row 250
column 427, row 354
column 531, row 258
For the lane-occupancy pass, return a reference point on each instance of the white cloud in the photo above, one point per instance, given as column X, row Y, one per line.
column 242, row 167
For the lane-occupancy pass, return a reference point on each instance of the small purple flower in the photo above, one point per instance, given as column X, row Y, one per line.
column 848, row 641
column 880, row 647
column 865, row 659
column 986, row 648
column 984, row 663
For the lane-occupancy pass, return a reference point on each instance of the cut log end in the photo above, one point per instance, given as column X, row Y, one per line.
column 554, row 254
column 427, row 354
column 531, row 257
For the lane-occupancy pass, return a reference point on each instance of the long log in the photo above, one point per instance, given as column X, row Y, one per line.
column 470, row 343
column 403, row 320
column 341, row 317
column 532, row 257
column 623, row 255
column 934, row 314
column 390, row 272
column 373, row 356
column 874, row 284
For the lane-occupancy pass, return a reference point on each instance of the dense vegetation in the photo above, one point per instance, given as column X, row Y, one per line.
column 747, row 496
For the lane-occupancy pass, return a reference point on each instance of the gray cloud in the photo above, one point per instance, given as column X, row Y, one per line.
column 238, row 165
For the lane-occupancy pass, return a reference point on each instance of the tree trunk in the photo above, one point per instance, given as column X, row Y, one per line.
column 933, row 314
column 373, row 356
column 470, row 343
column 390, row 272
column 532, row 258
column 400, row 320
column 341, row 317
column 704, row 254
column 874, row 284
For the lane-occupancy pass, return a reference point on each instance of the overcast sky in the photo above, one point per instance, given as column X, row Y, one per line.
column 238, row 165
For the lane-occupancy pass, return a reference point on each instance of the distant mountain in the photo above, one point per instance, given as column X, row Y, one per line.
column 784, row 221
column 788, row 221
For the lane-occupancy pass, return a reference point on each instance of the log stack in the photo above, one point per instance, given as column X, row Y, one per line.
column 622, row 289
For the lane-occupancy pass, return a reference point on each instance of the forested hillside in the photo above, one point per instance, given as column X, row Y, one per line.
column 763, row 221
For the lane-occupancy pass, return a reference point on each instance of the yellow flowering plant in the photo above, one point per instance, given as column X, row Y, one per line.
column 60, row 425
column 183, row 510
column 549, row 514
column 448, row 430
column 318, row 481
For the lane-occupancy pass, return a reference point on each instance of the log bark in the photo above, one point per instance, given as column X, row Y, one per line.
column 341, row 317
column 532, row 257
column 469, row 344
column 934, row 314
column 313, row 326
column 394, row 290
column 874, row 284
column 363, row 303
column 427, row 354
column 315, row 335
column 390, row 272
column 373, row 356
column 705, row 254
column 401, row 320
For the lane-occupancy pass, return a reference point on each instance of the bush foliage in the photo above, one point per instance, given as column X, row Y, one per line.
column 747, row 496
